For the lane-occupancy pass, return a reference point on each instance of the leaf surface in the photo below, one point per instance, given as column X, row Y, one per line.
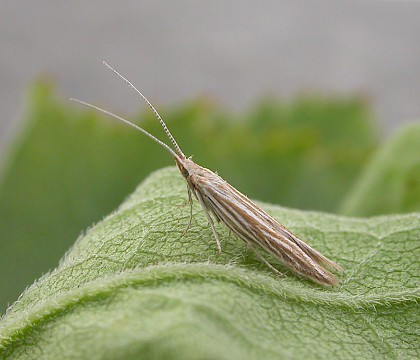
column 133, row 286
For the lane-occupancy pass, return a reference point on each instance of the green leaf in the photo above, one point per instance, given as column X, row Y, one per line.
column 135, row 287
column 391, row 182
column 71, row 166
column 67, row 170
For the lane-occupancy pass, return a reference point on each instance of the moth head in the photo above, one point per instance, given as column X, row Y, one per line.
column 181, row 166
column 185, row 166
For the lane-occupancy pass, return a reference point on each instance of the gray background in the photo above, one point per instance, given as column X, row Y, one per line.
column 232, row 51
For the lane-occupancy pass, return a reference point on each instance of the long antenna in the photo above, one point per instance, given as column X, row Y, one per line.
column 175, row 155
column 168, row 133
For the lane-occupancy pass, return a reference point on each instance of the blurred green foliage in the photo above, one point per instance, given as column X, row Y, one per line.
column 391, row 182
column 71, row 166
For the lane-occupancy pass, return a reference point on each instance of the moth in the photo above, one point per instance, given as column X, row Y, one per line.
column 248, row 221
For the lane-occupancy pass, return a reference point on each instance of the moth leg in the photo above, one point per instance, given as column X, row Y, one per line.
column 190, row 201
column 264, row 260
column 210, row 220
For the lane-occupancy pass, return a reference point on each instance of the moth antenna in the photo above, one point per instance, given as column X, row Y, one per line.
column 168, row 133
column 154, row 138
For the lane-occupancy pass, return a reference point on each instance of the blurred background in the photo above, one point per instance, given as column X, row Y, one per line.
column 233, row 51
column 297, row 94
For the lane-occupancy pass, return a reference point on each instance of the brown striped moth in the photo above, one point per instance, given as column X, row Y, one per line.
column 246, row 219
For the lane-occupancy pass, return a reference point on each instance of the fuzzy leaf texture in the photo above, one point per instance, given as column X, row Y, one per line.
column 134, row 287
column 71, row 167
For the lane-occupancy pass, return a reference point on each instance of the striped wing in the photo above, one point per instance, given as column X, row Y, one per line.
column 259, row 229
